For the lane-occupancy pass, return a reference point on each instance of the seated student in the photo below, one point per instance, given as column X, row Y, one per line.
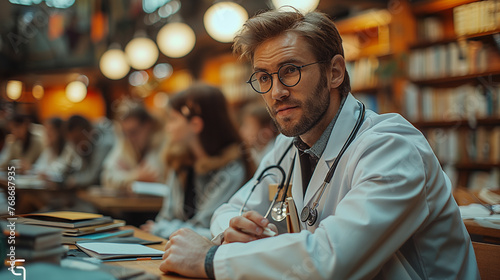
column 22, row 145
column 258, row 130
column 206, row 159
column 137, row 155
column 386, row 212
column 92, row 145
column 58, row 158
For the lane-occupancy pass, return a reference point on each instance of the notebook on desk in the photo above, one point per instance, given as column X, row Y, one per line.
column 118, row 251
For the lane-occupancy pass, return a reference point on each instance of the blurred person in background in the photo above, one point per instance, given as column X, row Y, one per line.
column 58, row 158
column 92, row 144
column 206, row 159
column 137, row 154
column 258, row 130
column 22, row 147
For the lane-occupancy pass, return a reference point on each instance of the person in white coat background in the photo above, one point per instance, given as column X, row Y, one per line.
column 387, row 212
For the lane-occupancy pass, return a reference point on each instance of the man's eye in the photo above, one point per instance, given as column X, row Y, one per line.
column 289, row 70
column 264, row 79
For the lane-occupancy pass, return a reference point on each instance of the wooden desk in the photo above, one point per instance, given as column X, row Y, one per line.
column 150, row 266
column 115, row 204
column 466, row 197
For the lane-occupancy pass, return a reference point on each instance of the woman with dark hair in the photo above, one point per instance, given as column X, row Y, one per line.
column 58, row 158
column 136, row 155
column 22, row 145
column 206, row 158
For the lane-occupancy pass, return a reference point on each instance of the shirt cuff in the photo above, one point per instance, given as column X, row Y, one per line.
column 209, row 262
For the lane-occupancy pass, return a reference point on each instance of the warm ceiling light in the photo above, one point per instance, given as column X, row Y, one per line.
column 176, row 39
column 301, row 5
column 113, row 64
column 142, row 53
column 38, row 91
column 14, row 89
column 223, row 20
column 76, row 91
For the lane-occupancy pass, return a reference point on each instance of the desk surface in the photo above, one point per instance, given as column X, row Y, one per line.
column 122, row 202
column 150, row 266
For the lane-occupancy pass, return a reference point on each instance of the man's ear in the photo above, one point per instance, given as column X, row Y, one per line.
column 197, row 124
column 337, row 66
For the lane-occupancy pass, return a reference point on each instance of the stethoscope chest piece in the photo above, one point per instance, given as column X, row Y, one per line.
column 278, row 212
column 309, row 215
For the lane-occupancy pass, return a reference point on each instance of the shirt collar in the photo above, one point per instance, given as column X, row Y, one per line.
column 319, row 147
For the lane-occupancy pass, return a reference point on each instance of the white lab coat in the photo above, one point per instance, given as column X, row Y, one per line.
column 388, row 212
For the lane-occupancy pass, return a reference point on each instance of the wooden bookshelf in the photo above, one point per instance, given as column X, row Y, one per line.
column 366, row 90
column 432, row 6
column 456, row 123
column 454, row 80
column 477, row 166
column 441, row 13
column 446, row 40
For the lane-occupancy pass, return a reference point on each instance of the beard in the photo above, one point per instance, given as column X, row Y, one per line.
column 314, row 108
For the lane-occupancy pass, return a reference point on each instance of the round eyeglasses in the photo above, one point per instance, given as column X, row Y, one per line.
column 288, row 74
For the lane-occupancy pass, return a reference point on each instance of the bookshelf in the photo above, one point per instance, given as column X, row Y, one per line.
column 443, row 75
column 452, row 90
column 372, row 43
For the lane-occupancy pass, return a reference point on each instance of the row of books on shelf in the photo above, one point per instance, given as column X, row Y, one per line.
column 456, row 146
column 363, row 72
column 430, row 29
column 467, row 102
column 477, row 17
column 452, row 59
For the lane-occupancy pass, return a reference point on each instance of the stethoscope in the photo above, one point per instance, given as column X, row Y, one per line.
column 309, row 214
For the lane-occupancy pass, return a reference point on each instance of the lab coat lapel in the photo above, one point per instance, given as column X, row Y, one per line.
column 343, row 126
column 297, row 192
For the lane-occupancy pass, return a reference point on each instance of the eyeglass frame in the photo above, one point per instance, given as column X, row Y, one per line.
column 279, row 78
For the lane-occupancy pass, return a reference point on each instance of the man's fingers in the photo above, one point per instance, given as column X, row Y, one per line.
column 232, row 235
column 273, row 227
column 166, row 265
column 165, row 255
column 256, row 218
column 244, row 224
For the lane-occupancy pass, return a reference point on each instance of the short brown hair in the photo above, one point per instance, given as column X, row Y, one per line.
column 317, row 28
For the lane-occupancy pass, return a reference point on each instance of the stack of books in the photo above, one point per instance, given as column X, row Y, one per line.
column 78, row 226
column 33, row 243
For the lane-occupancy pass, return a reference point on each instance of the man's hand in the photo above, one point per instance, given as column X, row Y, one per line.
column 247, row 227
column 148, row 226
column 185, row 254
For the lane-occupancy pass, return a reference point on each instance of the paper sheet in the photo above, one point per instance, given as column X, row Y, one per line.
column 156, row 189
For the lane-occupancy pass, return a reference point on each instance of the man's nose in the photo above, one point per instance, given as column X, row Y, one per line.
column 279, row 91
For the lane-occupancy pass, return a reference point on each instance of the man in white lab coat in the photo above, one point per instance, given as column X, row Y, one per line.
column 387, row 212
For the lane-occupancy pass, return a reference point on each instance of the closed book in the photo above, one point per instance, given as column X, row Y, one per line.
column 97, row 236
column 33, row 237
column 64, row 219
column 94, row 229
column 29, row 254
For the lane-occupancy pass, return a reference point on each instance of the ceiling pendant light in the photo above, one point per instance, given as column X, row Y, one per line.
column 223, row 20
column 176, row 39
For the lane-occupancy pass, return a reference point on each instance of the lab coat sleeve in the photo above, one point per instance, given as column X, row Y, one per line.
column 385, row 206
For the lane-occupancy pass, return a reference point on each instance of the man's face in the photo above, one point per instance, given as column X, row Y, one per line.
column 136, row 133
column 295, row 110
